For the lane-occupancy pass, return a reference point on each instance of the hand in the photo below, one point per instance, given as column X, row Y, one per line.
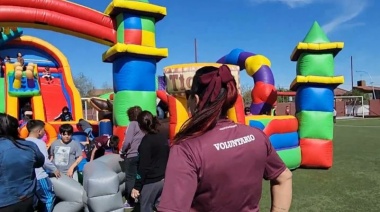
column 70, row 172
column 135, row 194
column 57, row 173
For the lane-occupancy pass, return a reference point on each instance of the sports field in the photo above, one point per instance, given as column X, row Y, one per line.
column 352, row 184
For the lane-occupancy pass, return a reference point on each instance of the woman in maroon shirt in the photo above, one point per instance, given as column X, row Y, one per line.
column 216, row 164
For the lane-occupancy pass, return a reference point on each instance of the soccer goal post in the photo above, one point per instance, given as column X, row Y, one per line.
column 355, row 107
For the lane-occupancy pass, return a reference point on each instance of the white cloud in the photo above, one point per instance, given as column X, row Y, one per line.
column 290, row 3
column 347, row 10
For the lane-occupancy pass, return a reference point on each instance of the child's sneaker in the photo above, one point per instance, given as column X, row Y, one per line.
column 127, row 205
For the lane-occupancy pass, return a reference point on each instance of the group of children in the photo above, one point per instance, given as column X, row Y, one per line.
column 62, row 158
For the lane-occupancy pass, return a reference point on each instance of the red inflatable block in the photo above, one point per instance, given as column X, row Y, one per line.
column 316, row 153
column 173, row 116
column 279, row 126
column 120, row 132
column 263, row 92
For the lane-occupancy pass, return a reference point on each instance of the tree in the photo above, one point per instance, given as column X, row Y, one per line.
column 83, row 84
column 357, row 92
column 107, row 86
column 246, row 91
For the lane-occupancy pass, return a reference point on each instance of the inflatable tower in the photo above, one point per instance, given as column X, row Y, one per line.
column 315, row 83
column 134, row 56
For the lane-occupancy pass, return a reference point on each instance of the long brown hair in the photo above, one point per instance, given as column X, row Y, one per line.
column 217, row 93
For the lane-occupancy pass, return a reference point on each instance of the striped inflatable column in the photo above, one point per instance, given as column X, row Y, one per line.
column 264, row 93
column 315, row 84
column 134, row 57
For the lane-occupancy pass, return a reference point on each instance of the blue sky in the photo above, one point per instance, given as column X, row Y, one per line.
column 268, row 27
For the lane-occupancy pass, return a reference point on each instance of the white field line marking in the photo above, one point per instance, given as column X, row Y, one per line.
column 364, row 126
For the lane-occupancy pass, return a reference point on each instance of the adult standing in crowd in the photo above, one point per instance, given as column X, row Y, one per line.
column 18, row 159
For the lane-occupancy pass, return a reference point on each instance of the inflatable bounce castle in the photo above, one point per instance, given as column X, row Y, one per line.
column 128, row 27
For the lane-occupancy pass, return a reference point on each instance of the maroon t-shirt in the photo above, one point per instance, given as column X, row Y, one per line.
column 221, row 170
column 101, row 141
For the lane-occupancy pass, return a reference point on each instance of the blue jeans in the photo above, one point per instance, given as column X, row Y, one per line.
column 161, row 113
column 88, row 131
column 45, row 194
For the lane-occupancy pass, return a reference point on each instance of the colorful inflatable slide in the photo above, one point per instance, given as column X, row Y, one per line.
column 46, row 98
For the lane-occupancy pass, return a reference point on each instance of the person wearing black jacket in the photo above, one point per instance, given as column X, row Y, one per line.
column 153, row 157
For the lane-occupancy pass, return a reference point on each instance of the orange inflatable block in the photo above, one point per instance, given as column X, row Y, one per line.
column 120, row 132
column 316, row 153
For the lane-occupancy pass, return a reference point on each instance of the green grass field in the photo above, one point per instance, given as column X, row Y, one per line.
column 352, row 184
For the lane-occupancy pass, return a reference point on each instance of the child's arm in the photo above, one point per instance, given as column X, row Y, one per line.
column 58, row 117
column 48, row 165
column 78, row 155
column 93, row 153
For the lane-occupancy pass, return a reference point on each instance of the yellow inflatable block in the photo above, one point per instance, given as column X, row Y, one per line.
column 121, row 48
column 148, row 39
column 254, row 63
column 155, row 11
column 316, row 80
column 334, row 48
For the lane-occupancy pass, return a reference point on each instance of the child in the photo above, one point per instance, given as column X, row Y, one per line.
column 44, row 191
column 28, row 115
column 65, row 115
column 102, row 143
column 86, row 127
column 47, row 75
column 65, row 153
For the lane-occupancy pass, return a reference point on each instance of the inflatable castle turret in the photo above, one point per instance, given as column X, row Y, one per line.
column 315, row 83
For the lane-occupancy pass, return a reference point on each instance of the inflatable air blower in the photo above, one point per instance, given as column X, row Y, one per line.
column 105, row 127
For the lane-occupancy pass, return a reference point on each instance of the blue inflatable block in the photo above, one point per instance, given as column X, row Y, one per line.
column 134, row 74
column 315, row 98
column 132, row 22
column 105, row 127
column 233, row 56
column 284, row 140
column 81, row 164
column 257, row 124
column 79, row 137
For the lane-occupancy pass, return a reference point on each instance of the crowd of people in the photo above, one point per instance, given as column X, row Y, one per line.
column 213, row 163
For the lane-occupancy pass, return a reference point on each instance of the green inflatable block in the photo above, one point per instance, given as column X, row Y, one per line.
column 2, row 95
column 291, row 157
column 126, row 99
column 120, row 28
column 310, row 64
column 315, row 124
column 148, row 24
column 316, row 35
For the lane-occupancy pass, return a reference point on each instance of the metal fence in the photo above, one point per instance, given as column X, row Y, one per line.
column 89, row 113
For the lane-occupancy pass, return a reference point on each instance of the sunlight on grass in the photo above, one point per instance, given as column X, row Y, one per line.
column 352, row 184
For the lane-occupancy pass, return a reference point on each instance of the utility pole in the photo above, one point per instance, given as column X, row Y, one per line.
column 196, row 50
column 352, row 75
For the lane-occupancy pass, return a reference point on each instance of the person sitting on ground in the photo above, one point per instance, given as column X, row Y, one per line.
column 47, row 75
column 86, row 127
column 18, row 159
column 65, row 115
column 102, row 143
column 153, row 157
column 210, row 150
column 44, row 191
column 65, row 153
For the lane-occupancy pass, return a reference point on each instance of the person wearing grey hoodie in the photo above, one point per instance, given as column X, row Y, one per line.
column 132, row 140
